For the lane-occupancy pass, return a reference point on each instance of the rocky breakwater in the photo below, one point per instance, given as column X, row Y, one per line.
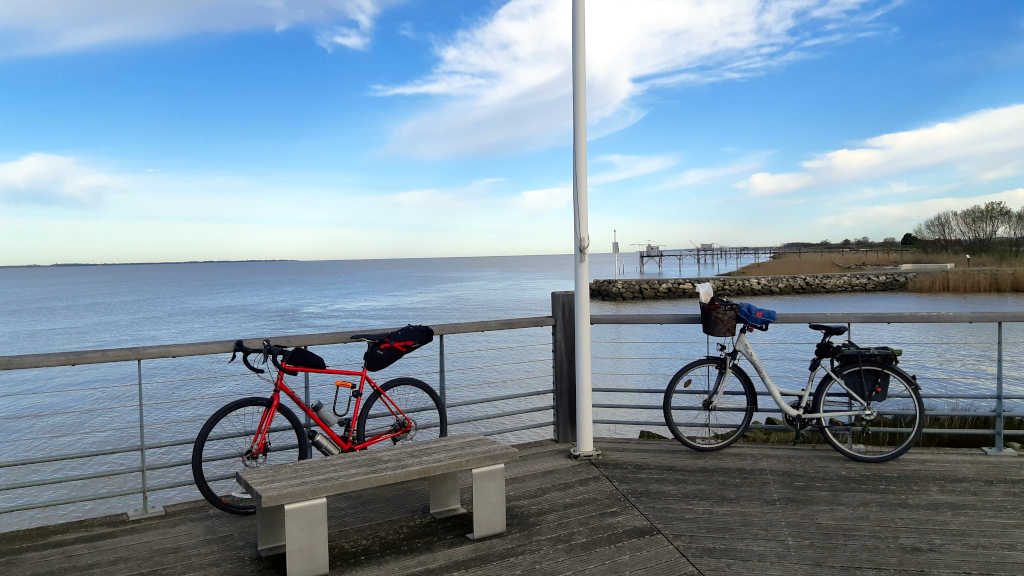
column 666, row 288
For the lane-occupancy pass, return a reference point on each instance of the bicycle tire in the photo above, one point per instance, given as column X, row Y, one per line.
column 425, row 404
column 691, row 401
column 220, row 471
column 856, row 441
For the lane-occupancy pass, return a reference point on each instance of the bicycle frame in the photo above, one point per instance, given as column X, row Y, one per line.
column 346, row 444
column 742, row 345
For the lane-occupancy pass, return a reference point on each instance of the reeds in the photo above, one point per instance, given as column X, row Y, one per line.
column 988, row 272
column 970, row 281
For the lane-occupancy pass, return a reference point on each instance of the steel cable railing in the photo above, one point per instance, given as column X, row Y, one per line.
column 512, row 400
column 485, row 406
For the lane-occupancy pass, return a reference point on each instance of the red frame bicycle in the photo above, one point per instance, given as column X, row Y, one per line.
column 346, row 444
column 215, row 456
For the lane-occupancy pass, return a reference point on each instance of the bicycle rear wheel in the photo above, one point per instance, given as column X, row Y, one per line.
column 696, row 424
column 424, row 417
column 890, row 430
column 222, row 449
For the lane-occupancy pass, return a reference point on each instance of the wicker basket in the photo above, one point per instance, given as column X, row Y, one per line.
column 718, row 319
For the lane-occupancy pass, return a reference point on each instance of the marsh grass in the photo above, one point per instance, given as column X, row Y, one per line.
column 987, row 273
column 973, row 280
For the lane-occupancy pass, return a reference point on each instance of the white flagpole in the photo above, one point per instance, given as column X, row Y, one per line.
column 584, row 396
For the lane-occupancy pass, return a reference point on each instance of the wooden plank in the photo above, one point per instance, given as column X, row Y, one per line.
column 747, row 510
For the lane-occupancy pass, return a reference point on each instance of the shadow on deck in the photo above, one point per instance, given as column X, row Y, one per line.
column 647, row 507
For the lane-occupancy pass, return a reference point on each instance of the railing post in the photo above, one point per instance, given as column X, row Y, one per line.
column 563, row 340
column 998, row 449
column 440, row 372
column 146, row 511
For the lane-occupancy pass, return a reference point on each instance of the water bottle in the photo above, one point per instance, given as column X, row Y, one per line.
column 323, row 443
column 325, row 414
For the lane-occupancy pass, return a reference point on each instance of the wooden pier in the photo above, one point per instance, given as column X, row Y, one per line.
column 646, row 508
column 717, row 255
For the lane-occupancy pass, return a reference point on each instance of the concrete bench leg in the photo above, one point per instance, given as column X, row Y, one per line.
column 270, row 530
column 445, row 498
column 299, row 530
column 488, row 501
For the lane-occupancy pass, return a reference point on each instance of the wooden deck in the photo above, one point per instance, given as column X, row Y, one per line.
column 646, row 508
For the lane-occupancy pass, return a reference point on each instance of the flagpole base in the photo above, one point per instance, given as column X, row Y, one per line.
column 576, row 454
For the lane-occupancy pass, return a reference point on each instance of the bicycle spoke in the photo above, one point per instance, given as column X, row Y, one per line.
column 692, row 418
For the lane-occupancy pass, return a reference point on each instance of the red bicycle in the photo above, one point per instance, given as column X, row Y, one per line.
column 246, row 433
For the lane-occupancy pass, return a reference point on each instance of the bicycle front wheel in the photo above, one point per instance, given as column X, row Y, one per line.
column 409, row 409
column 691, row 417
column 894, row 419
column 223, row 448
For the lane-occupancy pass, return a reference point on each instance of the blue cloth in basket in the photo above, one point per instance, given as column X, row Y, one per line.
column 755, row 316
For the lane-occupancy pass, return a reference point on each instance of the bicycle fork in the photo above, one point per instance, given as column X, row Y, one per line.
column 720, row 380
column 259, row 440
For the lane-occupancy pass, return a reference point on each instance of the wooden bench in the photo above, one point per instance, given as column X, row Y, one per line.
column 292, row 513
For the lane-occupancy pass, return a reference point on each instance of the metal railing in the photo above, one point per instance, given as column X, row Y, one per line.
column 511, row 391
column 526, row 388
column 999, row 413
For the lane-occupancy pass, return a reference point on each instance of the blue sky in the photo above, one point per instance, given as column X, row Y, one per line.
column 320, row 129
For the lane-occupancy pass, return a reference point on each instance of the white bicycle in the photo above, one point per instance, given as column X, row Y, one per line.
column 865, row 406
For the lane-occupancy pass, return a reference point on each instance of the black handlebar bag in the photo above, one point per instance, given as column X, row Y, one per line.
column 381, row 354
column 305, row 359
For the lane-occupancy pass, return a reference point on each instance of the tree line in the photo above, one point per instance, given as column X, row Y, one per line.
column 980, row 227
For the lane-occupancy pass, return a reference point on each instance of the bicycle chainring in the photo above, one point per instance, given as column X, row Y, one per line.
column 797, row 422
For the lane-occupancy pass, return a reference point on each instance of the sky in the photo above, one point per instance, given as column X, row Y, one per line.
column 348, row 129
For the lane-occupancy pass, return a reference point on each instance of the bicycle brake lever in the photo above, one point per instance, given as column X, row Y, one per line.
column 233, row 356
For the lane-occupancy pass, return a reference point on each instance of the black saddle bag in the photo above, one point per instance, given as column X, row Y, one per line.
column 870, row 385
column 380, row 355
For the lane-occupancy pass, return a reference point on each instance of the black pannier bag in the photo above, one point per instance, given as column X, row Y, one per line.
column 870, row 385
column 718, row 317
column 380, row 355
column 305, row 359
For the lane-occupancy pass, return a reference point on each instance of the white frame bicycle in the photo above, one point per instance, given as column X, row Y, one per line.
column 896, row 419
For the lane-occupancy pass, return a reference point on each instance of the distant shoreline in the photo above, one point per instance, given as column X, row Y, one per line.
column 77, row 264
column 74, row 264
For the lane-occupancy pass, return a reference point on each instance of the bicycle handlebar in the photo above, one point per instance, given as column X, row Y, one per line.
column 268, row 351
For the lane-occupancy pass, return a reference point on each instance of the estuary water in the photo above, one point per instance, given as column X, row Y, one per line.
column 74, row 409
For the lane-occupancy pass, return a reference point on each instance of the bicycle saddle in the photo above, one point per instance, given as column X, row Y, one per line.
column 828, row 330
column 369, row 337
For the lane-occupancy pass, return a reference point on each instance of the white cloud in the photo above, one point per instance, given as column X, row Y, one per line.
column 1008, row 170
column 62, row 209
column 625, row 167
column 543, row 200
column 888, row 219
column 407, row 29
column 505, row 81
column 695, row 176
column 33, row 27
column 973, row 144
column 54, row 179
